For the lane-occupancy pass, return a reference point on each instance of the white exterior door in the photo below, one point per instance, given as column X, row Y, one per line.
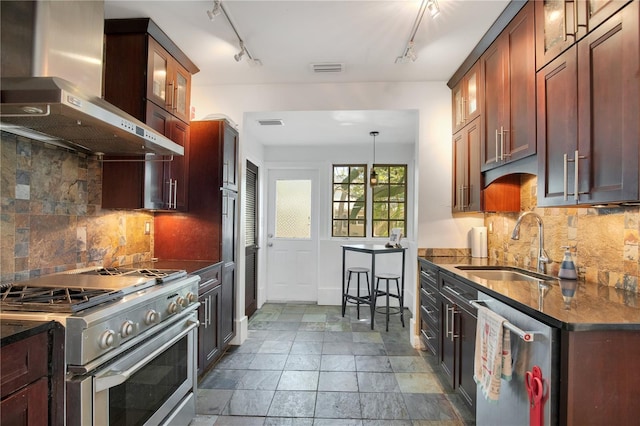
column 292, row 236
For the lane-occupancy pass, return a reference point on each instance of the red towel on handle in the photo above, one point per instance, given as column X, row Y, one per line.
column 492, row 360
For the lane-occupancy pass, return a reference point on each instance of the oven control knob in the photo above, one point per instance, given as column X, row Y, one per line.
column 173, row 308
column 189, row 299
column 126, row 329
column 151, row 317
column 182, row 301
column 107, row 339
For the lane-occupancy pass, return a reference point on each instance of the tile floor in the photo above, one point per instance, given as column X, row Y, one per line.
column 307, row 365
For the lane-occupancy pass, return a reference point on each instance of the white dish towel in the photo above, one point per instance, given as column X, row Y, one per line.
column 492, row 360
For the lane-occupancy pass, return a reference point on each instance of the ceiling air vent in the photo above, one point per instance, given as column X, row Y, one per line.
column 271, row 122
column 327, row 67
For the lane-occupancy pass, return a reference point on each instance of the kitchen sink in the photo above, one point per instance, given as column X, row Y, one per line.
column 503, row 273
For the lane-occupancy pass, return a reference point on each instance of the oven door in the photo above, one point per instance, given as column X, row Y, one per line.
column 152, row 384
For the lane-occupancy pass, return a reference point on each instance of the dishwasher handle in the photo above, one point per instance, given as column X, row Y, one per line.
column 527, row 336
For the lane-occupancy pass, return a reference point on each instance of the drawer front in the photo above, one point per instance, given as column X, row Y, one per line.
column 429, row 333
column 210, row 277
column 23, row 362
column 429, row 276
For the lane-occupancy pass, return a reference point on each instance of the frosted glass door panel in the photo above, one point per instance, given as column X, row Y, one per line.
column 293, row 209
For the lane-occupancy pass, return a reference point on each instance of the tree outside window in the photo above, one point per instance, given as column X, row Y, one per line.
column 349, row 209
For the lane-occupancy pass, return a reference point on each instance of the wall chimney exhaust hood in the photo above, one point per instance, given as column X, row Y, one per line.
column 52, row 80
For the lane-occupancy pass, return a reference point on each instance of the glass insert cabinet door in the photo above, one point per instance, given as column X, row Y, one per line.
column 159, row 77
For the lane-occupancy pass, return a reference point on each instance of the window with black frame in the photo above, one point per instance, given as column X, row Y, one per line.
column 350, row 204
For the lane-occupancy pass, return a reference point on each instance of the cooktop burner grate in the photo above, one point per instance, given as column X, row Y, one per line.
column 22, row 297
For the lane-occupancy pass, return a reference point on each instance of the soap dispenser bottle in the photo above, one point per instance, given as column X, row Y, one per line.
column 567, row 268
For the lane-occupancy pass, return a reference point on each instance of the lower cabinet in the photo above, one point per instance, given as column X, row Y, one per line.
column 210, row 342
column 458, row 336
column 32, row 374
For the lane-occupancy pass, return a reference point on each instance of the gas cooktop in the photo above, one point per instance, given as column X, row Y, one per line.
column 76, row 290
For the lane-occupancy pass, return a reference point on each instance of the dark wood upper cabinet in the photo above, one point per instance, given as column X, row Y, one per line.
column 466, row 165
column 147, row 76
column 508, row 67
column 466, row 98
column 560, row 24
column 588, row 131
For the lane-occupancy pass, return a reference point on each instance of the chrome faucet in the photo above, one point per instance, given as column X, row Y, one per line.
column 543, row 259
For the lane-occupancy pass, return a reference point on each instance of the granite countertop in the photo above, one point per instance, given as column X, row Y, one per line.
column 567, row 304
column 15, row 330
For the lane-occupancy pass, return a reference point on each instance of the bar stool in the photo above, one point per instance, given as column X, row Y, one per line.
column 399, row 295
column 357, row 300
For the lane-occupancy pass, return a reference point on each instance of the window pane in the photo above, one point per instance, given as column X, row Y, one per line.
column 340, row 174
column 340, row 192
column 357, row 174
column 340, row 228
column 293, row 209
column 380, row 228
column 356, row 228
column 396, row 211
column 383, row 174
column 381, row 193
column 340, row 210
column 357, row 210
column 380, row 211
column 398, row 175
column 357, row 192
column 396, row 193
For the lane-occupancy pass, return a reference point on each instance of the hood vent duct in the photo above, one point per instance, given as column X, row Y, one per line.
column 52, row 78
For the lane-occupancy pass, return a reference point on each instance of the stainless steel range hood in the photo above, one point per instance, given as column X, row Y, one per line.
column 52, row 79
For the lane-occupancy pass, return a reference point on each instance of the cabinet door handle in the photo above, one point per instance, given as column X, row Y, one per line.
column 565, row 181
column 169, row 100
column 497, row 159
column 453, row 323
column 575, row 175
column 446, row 321
column 206, row 312
column 503, row 155
column 174, row 103
column 175, row 194
column 170, row 192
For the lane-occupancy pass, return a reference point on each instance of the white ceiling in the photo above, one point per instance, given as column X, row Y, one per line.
column 288, row 36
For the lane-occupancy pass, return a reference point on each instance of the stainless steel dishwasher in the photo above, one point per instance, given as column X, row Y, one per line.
column 512, row 407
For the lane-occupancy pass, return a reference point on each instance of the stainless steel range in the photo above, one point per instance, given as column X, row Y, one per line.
column 130, row 341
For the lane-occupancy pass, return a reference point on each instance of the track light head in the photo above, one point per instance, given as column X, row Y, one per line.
column 215, row 11
column 238, row 56
column 433, row 8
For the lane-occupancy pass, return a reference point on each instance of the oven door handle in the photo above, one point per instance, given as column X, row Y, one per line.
column 115, row 377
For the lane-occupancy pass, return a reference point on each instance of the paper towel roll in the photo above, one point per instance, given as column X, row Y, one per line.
column 479, row 241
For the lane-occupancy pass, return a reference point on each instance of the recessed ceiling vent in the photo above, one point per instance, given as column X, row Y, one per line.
column 271, row 122
column 327, row 67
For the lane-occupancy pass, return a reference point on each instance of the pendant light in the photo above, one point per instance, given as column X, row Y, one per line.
column 373, row 177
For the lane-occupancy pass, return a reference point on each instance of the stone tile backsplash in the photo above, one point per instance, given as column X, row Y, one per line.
column 50, row 214
column 604, row 241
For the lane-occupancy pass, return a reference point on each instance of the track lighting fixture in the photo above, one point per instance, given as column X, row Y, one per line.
column 409, row 55
column 433, row 8
column 238, row 56
column 218, row 9
column 373, row 176
column 215, row 11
